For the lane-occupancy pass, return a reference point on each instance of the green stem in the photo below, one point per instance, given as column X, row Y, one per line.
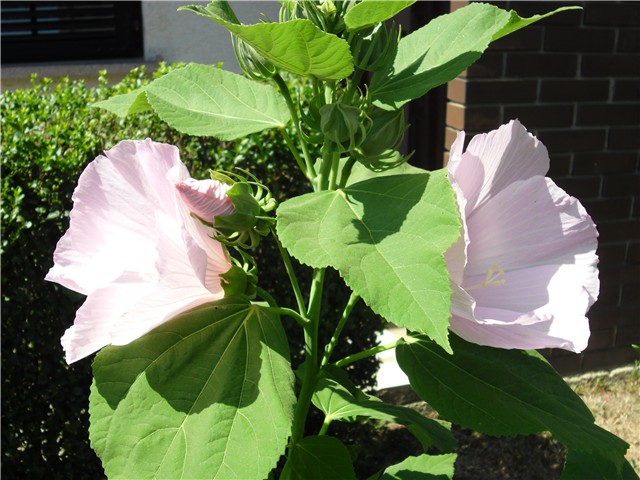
column 326, row 167
column 267, row 296
column 325, row 426
column 354, row 83
column 367, row 353
column 284, row 90
column 294, row 151
column 346, row 171
column 289, row 313
column 310, row 377
column 334, row 172
column 286, row 259
column 353, row 299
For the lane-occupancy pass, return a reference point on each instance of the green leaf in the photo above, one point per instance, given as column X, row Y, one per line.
column 516, row 22
column 126, row 104
column 441, row 50
column 297, row 46
column 207, row 395
column 387, row 237
column 423, row 467
column 204, row 100
column 580, row 466
column 319, row 458
column 337, row 403
column 504, row 392
column 360, row 172
column 369, row 12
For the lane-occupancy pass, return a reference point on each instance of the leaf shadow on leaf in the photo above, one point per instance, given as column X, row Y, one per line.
column 204, row 356
column 384, row 212
column 399, row 87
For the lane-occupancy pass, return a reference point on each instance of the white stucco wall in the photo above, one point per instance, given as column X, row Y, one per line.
column 185, row 37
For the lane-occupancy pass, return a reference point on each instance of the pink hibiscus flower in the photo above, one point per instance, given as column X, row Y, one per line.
column 524, row 273
column 134, row 248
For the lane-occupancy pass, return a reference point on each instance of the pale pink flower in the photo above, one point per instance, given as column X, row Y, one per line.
column 134, row 248
column 524, row 272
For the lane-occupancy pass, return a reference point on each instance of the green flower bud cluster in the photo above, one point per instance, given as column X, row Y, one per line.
column 379, row 150
column 343, row 127
column 375, row 47
column 249, row 221
column 327, row 15
column 242, row 278
column 253, row 64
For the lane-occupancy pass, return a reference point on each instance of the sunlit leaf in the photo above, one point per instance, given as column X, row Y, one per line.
column 423, row 467
column 126, row 104
column 369, row 12
column 441, row 50
column 204, row 100
column 387, row 237
column 297, row 46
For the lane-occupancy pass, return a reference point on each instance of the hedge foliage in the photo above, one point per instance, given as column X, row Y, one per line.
column 49, row 134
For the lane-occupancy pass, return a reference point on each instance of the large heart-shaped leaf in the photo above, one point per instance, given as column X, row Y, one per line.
column 204, row 100
column 441, row 50
column 504, row 392
column 297, row 46
column 207, row 395
column 387, row 237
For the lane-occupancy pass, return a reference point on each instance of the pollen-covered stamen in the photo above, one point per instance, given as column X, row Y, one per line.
column 491, row 278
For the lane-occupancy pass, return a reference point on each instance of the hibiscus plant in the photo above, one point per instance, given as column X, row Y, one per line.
column 482, row 262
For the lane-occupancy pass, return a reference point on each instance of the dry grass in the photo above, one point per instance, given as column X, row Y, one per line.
column 614, row 399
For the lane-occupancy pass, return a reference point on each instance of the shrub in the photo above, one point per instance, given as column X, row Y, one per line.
column 49, row 134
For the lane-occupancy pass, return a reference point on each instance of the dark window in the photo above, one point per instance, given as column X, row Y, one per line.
column 55, row 31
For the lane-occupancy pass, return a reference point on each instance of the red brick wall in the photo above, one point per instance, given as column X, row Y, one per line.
column 574, row 81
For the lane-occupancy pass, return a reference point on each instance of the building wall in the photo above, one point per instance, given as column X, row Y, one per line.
column 168, row 35
column 574, row 81
column 185, row 37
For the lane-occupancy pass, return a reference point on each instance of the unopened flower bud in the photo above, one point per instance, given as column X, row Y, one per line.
column 206, row 199
column 253, row 64
column 342, row 126
column 386, row 132
column 373, row 49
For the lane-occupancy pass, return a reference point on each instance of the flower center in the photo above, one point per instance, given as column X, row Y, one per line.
column 491, row 278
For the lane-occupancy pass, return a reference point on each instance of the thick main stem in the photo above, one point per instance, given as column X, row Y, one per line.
column 310, row 375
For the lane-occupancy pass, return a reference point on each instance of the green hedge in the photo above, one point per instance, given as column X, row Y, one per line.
column 49, row 133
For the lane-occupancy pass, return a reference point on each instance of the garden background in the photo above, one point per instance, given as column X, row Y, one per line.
column 573, row 80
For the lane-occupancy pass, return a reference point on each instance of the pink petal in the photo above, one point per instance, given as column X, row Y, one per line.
column 129, row 249
column 495, row 160
column 205, row 198
column 112, row 226
column 539, row 307
column 530, row 222
column 531, row 269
